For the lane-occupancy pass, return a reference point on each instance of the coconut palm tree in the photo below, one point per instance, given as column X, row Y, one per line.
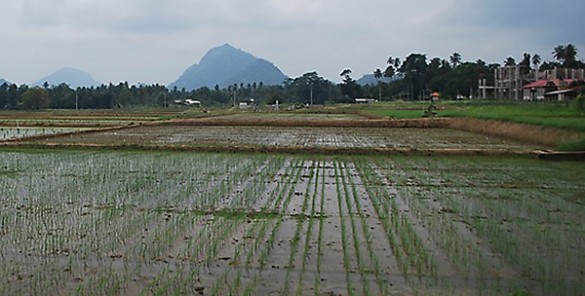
column 570, row 56
column 525, row 63
column 566, row 55
column 536, row 61
column 395, row 62
column 510, row 61
column 559, row 53
column 455, row 59
column 378, row 75
column 345, row 73
column 392, row 68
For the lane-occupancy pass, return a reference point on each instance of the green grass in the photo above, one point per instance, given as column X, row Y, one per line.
column 576, row 145
column 549, row 114
column 394, row 109
column 397, row 114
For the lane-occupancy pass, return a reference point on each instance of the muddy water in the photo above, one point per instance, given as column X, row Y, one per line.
column 312, row 228
column 296, row 137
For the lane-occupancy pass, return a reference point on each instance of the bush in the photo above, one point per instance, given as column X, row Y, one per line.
column 575, row 145
column 579, row 103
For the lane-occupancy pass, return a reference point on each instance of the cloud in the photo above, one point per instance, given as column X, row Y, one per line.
column 175, row 15
column 551, row 21
column 154, row 41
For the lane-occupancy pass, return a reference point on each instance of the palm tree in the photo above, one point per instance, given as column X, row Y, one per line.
column 394, row 62
column 345, row 73
column 526, row 59
column 536, row 61
column 455, row 59
column 510, row 61
column 525, row 63
column 393, row 65
column 378, row 75
column 566, row 55
column 559, row 53
column 570, row 56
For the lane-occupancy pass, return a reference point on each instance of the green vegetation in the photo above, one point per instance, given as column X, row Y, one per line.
column 411, row 79
column 237, row 223
column 562, row 115
column 576, row 145
column 548, row 114
column 136, row 222
column 394, row 109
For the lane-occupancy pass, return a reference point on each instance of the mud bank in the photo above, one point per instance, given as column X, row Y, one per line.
column 390, row 123
column 532, row 134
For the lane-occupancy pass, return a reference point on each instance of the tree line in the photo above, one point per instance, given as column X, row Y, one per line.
column 453, row 78
column 299, row 90
column 413, row 78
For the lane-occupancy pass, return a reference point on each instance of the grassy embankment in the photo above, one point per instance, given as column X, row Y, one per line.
column 546, row 114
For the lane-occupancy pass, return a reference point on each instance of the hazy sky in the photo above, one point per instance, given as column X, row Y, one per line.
column 153, row 41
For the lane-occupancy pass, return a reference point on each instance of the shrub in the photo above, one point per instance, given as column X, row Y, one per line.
column 579, row 103
column 573, row 145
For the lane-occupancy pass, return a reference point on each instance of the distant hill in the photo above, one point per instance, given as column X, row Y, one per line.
column 226, row 65
column 2, row 81
column 260, row 70
column 371, row 79
column 73, row 77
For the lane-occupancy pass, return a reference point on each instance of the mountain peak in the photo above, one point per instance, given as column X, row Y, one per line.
column 226, row 65
column 68, row 75
column 229, row 54
column 226, row 45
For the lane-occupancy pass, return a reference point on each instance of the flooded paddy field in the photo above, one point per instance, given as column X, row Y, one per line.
column 13, row 132
column 296, row 137
column 157, row 223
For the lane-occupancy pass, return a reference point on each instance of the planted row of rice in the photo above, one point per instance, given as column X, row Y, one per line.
column 151, row 223
column 321, row 137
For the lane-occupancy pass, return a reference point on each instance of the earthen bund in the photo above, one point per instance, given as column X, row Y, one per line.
column 546, row 137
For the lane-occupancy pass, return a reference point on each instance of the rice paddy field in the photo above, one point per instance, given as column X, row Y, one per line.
column 84, row 118
column 115, row 221
column 299, row 137
column 12, row 133
column 158, row 223
column 305, row 115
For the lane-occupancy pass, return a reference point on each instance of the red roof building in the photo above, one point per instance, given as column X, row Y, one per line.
column 550, row 89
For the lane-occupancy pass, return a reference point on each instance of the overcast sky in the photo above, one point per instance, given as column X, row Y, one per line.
column 153, row 41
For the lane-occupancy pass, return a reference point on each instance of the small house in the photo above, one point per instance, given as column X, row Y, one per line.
column 435, row 96
column 364, row 100
column 190, row 102
column 550, row 89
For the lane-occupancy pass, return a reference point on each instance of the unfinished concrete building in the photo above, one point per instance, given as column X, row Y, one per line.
column 561, row 73
column 510, row 81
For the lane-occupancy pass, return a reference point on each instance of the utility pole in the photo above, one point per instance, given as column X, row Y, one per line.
column 76, row 100
column 311, row 90
column 234, row 99
column 379, row 92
